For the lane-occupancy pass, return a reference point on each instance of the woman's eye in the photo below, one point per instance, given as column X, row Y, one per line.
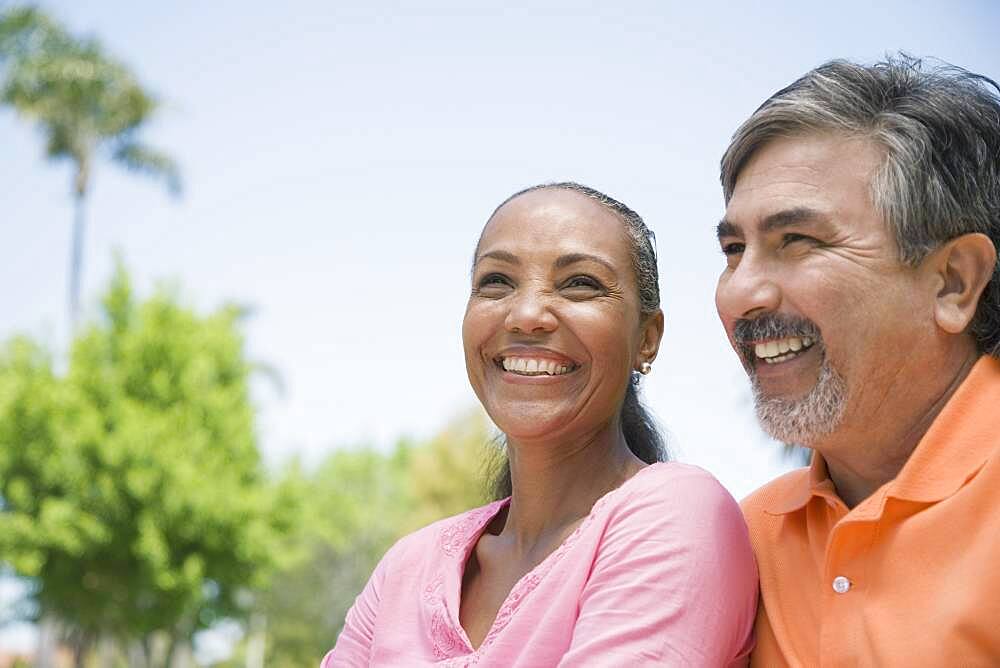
column 583, row 283
column 494, row 279
column 493, row 283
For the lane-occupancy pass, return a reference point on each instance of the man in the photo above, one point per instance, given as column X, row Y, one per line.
column 862, row 293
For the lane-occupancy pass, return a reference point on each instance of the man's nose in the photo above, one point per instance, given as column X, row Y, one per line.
column 748, row 290
column 530, row 312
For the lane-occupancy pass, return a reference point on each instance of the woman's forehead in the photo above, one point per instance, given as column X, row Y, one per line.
column 557, row 219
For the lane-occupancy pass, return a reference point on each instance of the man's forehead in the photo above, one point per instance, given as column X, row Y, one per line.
column 804, row 178
column 812, row 158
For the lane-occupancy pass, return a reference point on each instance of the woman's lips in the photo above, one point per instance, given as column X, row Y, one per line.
column 535, row 362
column 534, row 366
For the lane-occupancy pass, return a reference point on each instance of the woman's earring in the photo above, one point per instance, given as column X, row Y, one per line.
column 645, row 368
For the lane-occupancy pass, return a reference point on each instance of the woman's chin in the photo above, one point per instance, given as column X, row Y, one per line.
column 529, row 423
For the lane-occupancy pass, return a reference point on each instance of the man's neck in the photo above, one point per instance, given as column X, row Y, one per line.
column 862, row 459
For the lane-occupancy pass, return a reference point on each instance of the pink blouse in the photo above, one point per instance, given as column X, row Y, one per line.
column 660, row 573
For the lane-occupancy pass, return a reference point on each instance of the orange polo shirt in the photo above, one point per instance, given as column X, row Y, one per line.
column 909, row 577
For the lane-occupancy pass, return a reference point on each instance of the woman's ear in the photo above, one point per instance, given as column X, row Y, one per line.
column 652, row 333
column 963, row 265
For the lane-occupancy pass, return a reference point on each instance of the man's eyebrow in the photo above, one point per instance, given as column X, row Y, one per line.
column 501, row 255
column 573, row 258
column 775, row 221
column 795, row 216
column 726, row 229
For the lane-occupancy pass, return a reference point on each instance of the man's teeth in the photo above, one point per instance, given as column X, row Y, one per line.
column 782, row 349
column 527, row 366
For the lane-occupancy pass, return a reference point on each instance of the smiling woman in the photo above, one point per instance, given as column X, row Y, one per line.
column 596, row 552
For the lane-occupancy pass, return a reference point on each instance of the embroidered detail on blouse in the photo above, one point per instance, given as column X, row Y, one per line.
column 456, row 535
column 455, row 540
column 447, row 642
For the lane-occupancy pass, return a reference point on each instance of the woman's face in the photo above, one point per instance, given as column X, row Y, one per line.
column 553, row 329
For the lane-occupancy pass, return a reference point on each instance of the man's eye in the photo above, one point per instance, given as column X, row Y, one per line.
column 734, row 248
column 792, row 237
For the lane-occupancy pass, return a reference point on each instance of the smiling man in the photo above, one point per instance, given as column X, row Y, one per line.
column 862, row 293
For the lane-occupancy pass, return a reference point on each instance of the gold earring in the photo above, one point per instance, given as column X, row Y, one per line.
column 645, row 368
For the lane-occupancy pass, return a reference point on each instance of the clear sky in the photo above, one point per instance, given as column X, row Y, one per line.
column 340, row 159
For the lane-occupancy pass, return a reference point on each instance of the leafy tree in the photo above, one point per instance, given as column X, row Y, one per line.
column 131, row 491
column 447, row 474
column 87, row 105
column 359, row 502
column 356, row 502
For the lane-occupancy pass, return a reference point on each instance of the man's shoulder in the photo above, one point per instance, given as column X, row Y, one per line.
column 779, row 492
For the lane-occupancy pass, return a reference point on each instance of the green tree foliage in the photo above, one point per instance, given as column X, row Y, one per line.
column 86, row 104
column 360, row 501
column 356, row 501
column 447, row 474
column 131, row 491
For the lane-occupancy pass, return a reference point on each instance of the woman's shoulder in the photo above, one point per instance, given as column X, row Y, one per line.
column 675, row 493
column 674, row 480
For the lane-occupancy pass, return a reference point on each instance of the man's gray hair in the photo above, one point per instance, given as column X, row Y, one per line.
column 939, row 127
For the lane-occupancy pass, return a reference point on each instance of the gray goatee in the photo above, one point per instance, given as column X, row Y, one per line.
column 801, row 421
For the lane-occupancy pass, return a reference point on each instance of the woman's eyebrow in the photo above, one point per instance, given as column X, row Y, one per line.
column 501, row 255
column 573, row 258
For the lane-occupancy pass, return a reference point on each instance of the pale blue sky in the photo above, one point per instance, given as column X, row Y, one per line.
column 341, row 158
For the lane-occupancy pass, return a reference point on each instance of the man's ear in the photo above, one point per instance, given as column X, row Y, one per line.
column 652, row 333
column 963, row 266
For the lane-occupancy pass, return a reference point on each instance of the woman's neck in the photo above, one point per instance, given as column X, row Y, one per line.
column 556, row 484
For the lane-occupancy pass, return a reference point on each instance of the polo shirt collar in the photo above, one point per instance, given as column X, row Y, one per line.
column 817, row 483
column 955, row 447
column 959, row 441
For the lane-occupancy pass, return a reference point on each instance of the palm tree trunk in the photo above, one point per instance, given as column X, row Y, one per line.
column 48, row 630
column 76, row 258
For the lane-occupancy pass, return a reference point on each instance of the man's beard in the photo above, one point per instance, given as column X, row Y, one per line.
column 805, row 420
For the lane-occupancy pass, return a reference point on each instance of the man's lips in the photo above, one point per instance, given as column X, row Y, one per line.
column 776, row 351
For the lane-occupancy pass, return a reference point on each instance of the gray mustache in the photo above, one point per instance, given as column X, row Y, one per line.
column 773, row 326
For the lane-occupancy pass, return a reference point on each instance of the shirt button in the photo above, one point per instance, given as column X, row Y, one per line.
column 841, row 585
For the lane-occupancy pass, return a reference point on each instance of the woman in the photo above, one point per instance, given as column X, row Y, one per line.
column 599, row 554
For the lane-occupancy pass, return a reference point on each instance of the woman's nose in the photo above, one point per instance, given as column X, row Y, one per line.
column 748, row 290
column 530, row 312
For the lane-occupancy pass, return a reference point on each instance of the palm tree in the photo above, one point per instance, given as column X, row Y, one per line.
column 86, row 104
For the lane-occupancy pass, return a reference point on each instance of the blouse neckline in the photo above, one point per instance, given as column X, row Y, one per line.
column 457, row 540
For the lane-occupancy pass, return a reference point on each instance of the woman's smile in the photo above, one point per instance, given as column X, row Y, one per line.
column 518, row 363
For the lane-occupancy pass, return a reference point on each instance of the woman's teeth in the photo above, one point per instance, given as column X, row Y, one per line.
column 781, row 350
column 526, row 366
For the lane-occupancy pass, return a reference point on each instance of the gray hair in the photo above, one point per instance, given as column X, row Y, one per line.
column 939, row 127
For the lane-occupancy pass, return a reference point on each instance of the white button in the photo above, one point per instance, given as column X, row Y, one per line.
column 841, row 585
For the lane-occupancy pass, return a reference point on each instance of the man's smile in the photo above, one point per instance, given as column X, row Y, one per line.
column 776, row 351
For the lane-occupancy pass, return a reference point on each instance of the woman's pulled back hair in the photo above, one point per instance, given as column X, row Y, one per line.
column 638, row 426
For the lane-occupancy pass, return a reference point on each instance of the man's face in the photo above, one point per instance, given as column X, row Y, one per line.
column 826, row 319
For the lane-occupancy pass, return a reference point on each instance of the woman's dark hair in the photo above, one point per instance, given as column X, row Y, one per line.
column 639, row 428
